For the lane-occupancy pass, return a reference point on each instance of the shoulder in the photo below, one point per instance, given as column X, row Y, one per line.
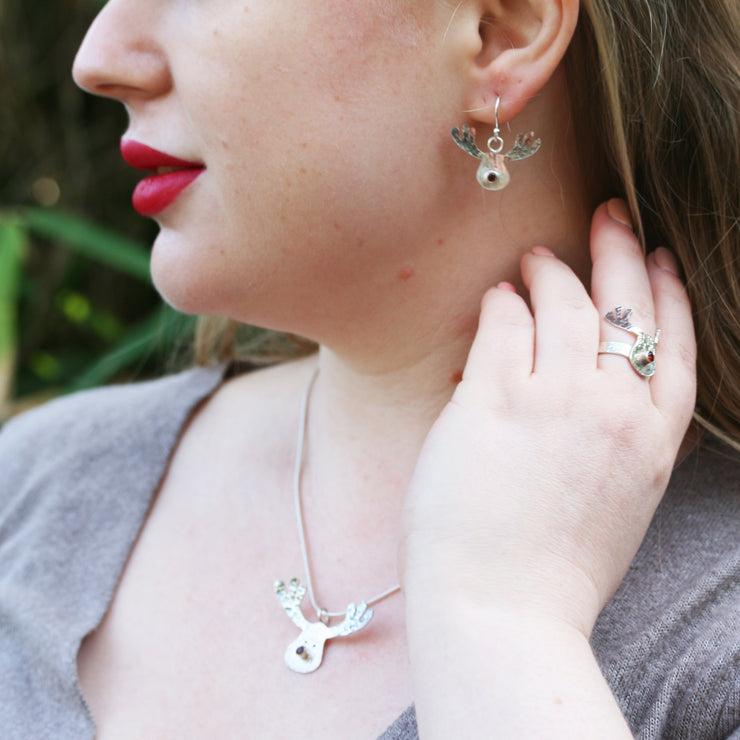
column 77, row 477
column 94, row 444
column 669, row 641
column 104, row 417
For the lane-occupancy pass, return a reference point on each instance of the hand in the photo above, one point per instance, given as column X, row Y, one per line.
column 537, row 483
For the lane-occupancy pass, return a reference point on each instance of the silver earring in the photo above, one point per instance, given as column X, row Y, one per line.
column 492, row 172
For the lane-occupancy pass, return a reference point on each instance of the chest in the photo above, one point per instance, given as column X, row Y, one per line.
column 194, row 641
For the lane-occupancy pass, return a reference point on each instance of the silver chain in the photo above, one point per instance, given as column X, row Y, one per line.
column 322, row 614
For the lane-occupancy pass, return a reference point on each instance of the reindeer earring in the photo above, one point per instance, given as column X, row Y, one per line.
column 492, row 172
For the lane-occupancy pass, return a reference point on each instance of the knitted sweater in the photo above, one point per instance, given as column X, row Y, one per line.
column 77, row 477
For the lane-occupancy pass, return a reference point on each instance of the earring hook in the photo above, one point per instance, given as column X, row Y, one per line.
column 496, row 143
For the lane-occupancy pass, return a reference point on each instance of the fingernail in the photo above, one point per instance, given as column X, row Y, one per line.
column 503, row 285
column 543, row 251
column 666, row 260
column 619, row 212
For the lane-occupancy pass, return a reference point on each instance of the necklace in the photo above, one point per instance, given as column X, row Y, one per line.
column 305, row 653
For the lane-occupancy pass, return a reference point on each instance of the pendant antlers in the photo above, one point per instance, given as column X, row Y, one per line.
column 306, row 652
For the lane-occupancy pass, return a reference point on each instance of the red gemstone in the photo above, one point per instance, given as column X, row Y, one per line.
column 651, row 356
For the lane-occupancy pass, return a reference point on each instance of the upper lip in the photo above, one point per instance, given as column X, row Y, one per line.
column 143, row 157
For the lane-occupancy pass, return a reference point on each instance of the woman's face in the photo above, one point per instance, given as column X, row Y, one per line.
column 321, row 125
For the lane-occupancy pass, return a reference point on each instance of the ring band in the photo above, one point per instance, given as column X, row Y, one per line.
column 641, row 354
column 615, row 348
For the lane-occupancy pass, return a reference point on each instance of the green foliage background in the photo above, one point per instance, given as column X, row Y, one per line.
column 76, row 304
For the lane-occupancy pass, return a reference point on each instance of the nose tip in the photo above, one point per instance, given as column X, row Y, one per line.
column 87, row 70
column 120, row 56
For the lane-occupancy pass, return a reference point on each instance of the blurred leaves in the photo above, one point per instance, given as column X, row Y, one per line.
column 101, row 244
column 12, row 251
column 124, row 346
column 77, row 307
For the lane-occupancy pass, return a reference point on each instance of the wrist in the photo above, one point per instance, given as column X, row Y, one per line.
column 437, row 590
column 518, row 673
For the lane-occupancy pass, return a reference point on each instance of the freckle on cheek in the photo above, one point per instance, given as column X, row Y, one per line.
column 406, row 273
column 440, row 242
column 456, row 377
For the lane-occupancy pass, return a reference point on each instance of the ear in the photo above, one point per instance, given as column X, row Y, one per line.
column 518, row 46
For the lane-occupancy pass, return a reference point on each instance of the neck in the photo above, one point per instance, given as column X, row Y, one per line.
column 380, row 415
column 394, row 344
column 363, row 435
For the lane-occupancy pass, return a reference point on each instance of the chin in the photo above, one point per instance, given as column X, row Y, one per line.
column 190, row 291
column 182, row 272
column 192, row 284
column 180, row 299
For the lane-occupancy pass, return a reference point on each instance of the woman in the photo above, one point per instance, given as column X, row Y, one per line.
column 305, row 180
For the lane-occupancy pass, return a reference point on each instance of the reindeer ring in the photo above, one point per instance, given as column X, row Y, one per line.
column 305, row 653
column 492, row 172
column 641, row 354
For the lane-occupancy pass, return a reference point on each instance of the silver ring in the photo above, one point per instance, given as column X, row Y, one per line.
column 641, row 354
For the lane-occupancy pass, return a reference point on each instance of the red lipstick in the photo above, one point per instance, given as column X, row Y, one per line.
column 153, row 194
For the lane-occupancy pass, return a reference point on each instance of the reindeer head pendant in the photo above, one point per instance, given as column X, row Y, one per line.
column 305, row 653
column 492, row 172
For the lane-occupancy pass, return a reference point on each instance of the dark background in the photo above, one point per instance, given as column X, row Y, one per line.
column 71, row 317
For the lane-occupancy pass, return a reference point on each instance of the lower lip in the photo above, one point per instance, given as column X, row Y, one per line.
column 153, row 194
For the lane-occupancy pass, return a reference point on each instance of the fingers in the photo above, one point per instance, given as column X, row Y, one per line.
column 674, row 384
column 621, row 276
column 503, row 347
column 619, row 279
column 566, row 322
column 505, row 350
column 562, row 332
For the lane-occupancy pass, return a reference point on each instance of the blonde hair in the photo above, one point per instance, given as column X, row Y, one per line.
column 658, row 84
column 218, row 339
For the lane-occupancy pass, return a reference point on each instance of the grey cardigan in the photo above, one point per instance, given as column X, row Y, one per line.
column 77, row 477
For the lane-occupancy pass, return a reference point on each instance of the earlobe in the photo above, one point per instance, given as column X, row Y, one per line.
column 522, row 42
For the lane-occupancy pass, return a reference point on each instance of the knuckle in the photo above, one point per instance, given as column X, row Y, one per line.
column 579, row 312
column 620, row 426
column 579, row 306
column 643, row 311
column 638, row 440
column 622, row 423
column 661, row 462
column 576, row 321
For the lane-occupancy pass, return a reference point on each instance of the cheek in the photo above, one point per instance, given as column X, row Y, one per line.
column 317, row 138
column 328, row 132
column 277, row 63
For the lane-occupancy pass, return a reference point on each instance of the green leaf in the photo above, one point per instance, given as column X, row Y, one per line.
column 12, row 250
column 151, row 336
column 96, row 242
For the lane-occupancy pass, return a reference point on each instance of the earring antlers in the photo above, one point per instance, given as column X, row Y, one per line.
column 492, row 172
